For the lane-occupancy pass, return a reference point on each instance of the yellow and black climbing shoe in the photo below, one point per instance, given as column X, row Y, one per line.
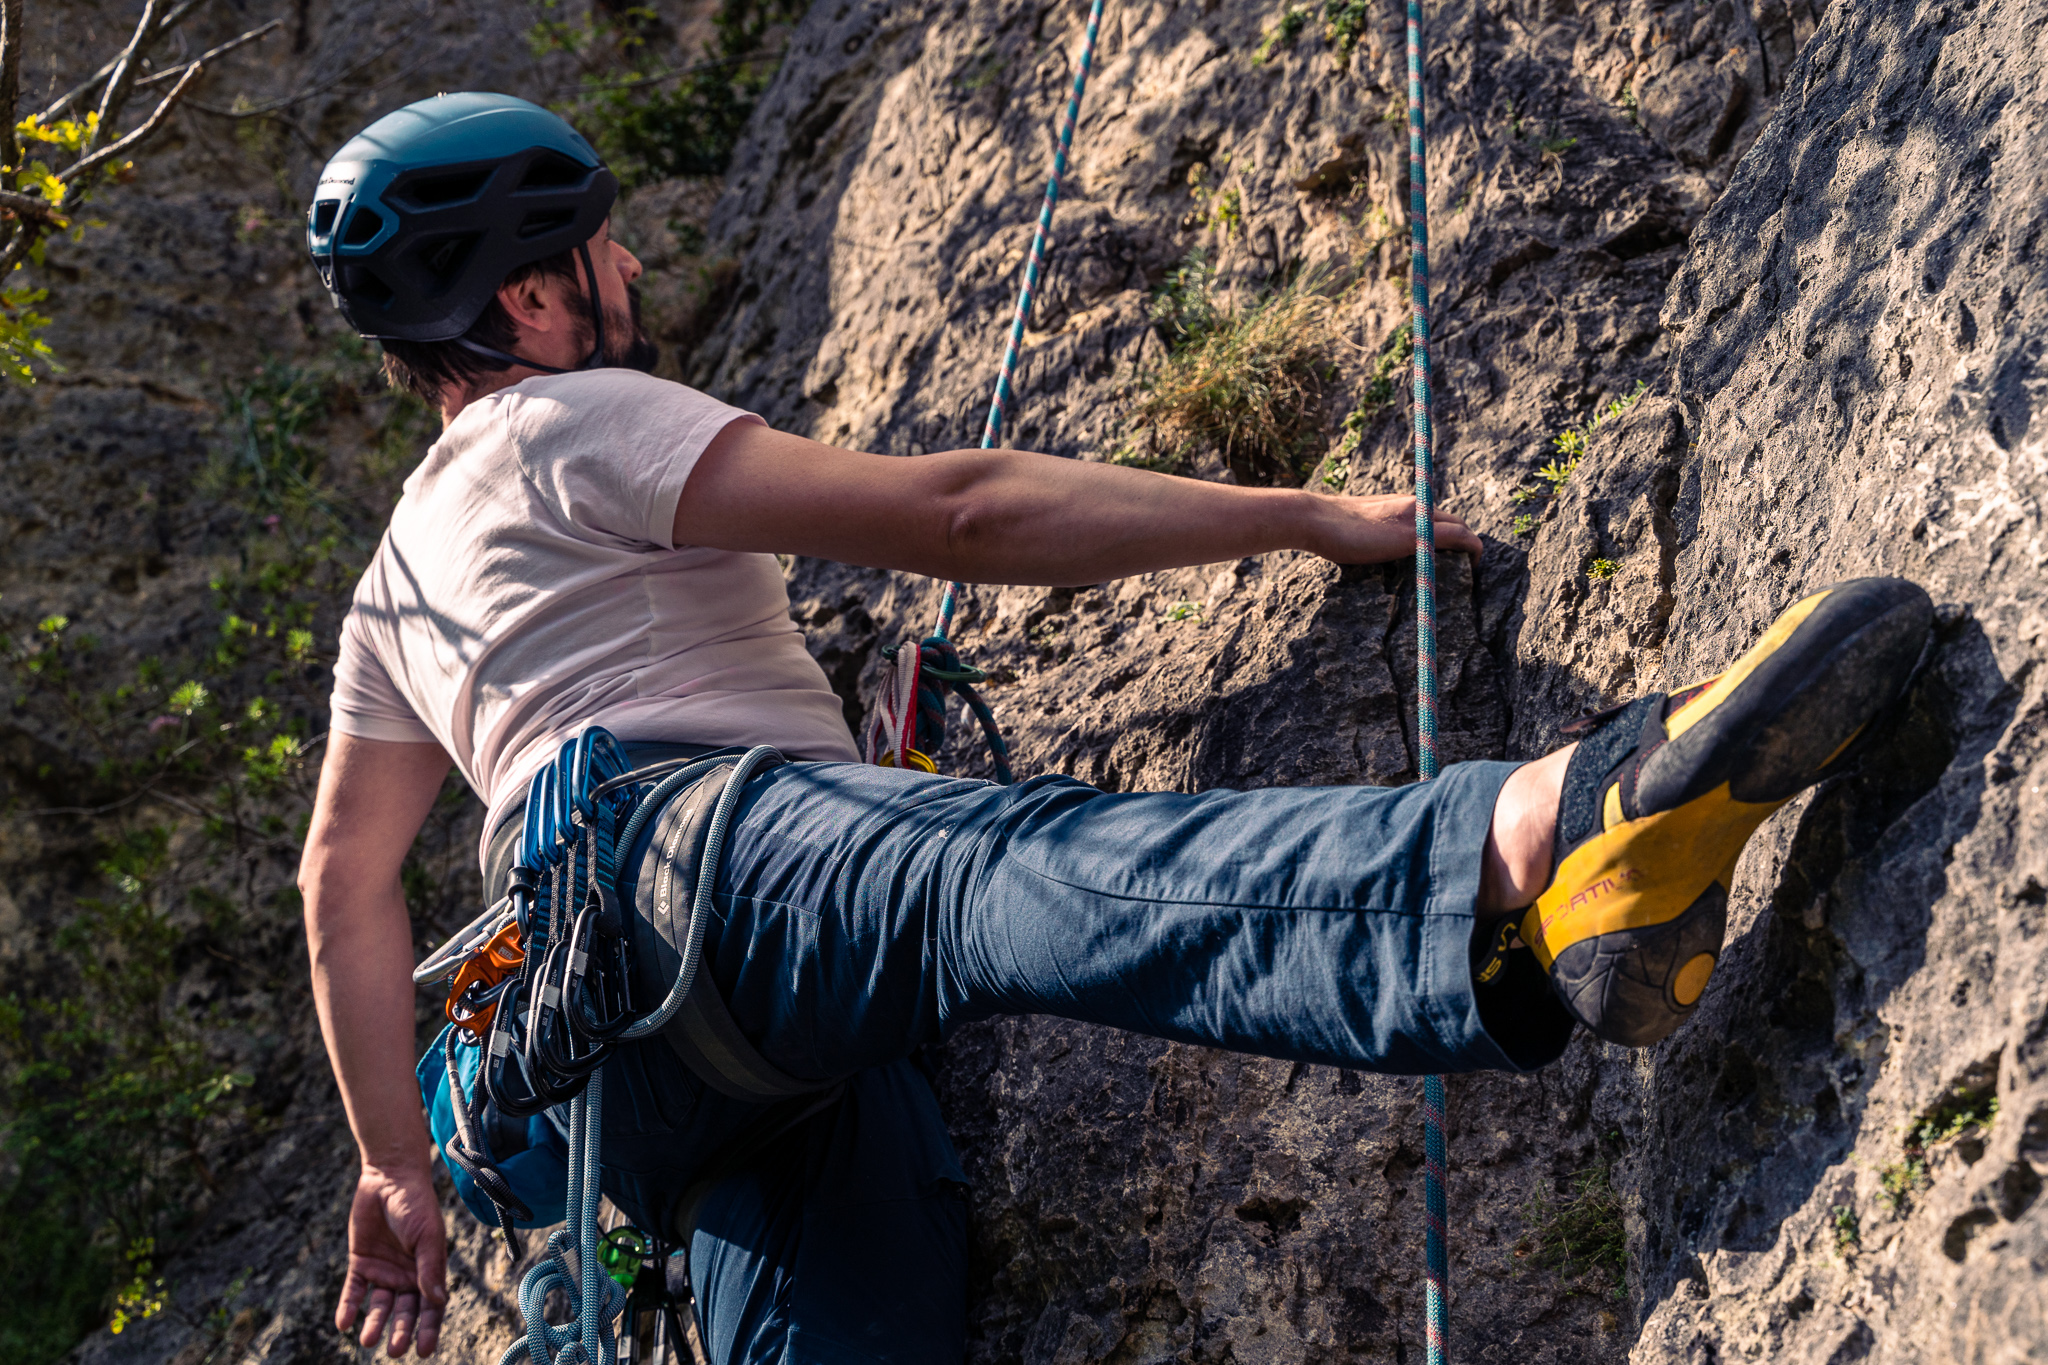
column 1661, row 796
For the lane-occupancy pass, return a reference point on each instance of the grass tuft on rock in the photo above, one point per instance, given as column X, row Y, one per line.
column 1245, row 380
column 1580, row 1232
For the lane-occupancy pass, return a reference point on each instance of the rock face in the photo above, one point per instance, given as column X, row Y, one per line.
column 1812, row 239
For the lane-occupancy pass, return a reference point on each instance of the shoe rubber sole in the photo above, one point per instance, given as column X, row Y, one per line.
column 1660, row 800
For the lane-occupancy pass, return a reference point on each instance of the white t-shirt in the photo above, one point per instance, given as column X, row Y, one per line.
column 528, row 586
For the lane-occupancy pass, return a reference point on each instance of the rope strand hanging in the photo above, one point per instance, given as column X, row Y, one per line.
column 1436, row 1252
column 908, row 720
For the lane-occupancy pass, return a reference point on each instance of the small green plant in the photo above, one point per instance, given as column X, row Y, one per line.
column 1580, row 1231
column 1280, row 36
column 142, row 1297
column 1957, row 1113
column 1573, row 442
column 1385, row 382
column 1558, row 473
column 1216, row 207
column 1558, row 146
column 1525, row 524
column 1344, row 23
column 1182, row 611
column 1185, row 308
column 1848, row 1231
column 1898, row 1182
column 1525, row 495
column 1600, row 570
column 1629, row 106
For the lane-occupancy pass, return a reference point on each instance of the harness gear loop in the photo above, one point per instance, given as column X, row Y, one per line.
column 889, row 732
column 1435, row 1250
column 548, row 993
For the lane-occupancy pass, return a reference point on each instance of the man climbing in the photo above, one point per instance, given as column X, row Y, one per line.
column 588, row 546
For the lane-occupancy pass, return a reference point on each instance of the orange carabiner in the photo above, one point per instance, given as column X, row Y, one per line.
column 492, row 963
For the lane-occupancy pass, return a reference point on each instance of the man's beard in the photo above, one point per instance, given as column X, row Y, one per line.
column 626, row 343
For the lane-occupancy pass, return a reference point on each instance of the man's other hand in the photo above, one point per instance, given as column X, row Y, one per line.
column 397, row 1261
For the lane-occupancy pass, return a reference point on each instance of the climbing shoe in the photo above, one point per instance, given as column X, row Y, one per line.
column 1662, row 794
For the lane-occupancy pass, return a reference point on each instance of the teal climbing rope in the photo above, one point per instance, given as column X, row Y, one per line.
column 999, row 407
column 907, row 722
column 1436, row 1253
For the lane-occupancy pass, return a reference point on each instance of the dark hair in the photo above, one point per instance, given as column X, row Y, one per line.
column 428, row 367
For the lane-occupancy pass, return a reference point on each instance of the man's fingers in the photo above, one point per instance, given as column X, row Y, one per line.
column 430, row 1256
column 352, row 1291
column 373, row 1321
column 428, row 1333
column 1453, row 534
column 404, row 1309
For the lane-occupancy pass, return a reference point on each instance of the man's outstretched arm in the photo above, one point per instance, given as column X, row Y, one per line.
column 373, row 798
column 1009, row 516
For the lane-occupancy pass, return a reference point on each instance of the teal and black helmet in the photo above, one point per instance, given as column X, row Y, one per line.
column 420, row 218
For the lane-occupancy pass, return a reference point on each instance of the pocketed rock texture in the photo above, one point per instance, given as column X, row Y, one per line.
column 1812, row 238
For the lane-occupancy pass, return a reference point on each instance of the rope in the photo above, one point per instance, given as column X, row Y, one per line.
column 908, row 719
column 1437, row 1254
column 999, row 408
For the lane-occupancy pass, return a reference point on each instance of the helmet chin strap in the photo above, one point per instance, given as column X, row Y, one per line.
column 591, row 361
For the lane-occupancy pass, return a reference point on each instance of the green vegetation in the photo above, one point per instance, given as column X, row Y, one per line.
column 1600, row 570
column 1571, row 445
column 1898, row 1182
column 1215, row 206
column 1281, row 35
column 122, row 1090
column 1557, row 146
column 1848, row 1230
column 1580, row 1232
column 1961, row 1110
column 1182, row 611
column 1243, row 379
column 1964, row 1109
column 655, row 120
column 1346, row 22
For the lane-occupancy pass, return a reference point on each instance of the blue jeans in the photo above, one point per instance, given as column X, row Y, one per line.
column 863, row 912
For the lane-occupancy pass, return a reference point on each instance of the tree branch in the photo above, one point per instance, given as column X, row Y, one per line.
column 29, row 206
column 91, row 83
column 115, row 96
column 140, row 135
column 10, row 77
column 230, row 45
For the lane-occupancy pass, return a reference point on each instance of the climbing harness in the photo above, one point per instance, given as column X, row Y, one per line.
column 543, row 983
column 915, row 686
column 1437, row 1291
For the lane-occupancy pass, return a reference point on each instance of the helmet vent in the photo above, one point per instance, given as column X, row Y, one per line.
column 541, row 224
column 552, row 171
column 359, row 283
column 443, row 259
column 436, row 191
column 363, row 225
column 323, row 216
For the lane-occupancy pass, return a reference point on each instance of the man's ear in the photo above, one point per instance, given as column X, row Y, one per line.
column 528, row 303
